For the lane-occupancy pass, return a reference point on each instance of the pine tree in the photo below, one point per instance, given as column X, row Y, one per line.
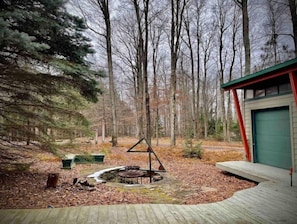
column 44, row 76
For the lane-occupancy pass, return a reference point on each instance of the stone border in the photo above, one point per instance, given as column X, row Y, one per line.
column 97, row 175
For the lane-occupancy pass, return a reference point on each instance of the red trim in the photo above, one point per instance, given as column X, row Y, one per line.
column 241, row 126
column 260, row 79
column 293, row 81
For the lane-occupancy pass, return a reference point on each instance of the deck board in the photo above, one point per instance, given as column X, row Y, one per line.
column 93, row 216
column 116, row 214
column 151, row 216
column 73, row 214
column 193, row 214
column 172, row 216
column 103, row 214
column 132, row 216
column 38, row 218
column 240, row 213
column 122, row 216
column 83, row 214
column 25, row 218
column 141, row 214
column 180, row 214
column 158, row 212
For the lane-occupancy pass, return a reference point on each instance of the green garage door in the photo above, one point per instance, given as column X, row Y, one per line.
column 272, row 141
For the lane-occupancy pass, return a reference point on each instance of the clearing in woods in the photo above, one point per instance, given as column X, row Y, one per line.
column 24, row 172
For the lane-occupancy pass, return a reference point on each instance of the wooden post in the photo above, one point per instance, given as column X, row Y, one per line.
column 150, row 163
column 293, row 82
column 291, row 175
column 241, row 125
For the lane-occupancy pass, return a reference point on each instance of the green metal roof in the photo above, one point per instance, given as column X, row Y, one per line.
column 259, row 74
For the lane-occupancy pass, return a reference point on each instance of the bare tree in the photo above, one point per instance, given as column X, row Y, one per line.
column 207, row 88
column 243, row 4
column 156, row 32
column 104, row 7
column 177, row 13
column 184, row 86
column 221, row 13
column 232, row 58
column 141, row 12
column 128, row 49
column 189, row 44
column 199, row 6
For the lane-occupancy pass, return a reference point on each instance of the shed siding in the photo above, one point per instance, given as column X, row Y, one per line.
column 272, row 102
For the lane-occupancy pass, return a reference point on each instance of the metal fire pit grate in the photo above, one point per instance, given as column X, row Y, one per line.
column 131, row 174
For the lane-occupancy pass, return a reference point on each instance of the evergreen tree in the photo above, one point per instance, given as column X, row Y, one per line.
column 44, row 76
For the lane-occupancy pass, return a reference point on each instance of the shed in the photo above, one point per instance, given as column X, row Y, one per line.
column 268, row 115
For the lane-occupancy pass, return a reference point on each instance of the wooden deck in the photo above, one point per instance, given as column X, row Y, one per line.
column 258, row 172
column 272, row 201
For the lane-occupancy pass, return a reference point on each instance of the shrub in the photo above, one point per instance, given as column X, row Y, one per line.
column 191, row 150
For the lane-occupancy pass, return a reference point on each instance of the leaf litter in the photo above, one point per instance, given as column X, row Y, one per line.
column 187, row 181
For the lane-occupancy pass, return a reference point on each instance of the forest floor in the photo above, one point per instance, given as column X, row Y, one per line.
column 186, row 181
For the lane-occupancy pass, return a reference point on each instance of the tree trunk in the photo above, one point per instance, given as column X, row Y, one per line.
column 173, row 101
column 243, row 4
column 205, row 100
column 104, row 6
column 222, row 29
column 177, row 12
column 292, row 4
column 246, row 37
column 142, row 52
column 145, row 73
column 197, row 115
column 233, row 56
column 193, row 95
column 199, row 7
column 155, row 33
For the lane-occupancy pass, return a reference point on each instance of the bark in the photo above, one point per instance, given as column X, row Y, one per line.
column 145, row 74
column 222, row 30
column 198, row 8
column 206, row 101
column 243, row 4
column 104, row 7
column 232, row 63
column 142, row 64
column 155, row 39
column 193, row 88
column 177, row 12
column 292, row 4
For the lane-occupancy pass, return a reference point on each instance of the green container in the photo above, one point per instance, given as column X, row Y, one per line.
column 84, row 159
column 67, row 163
column 99, row 158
